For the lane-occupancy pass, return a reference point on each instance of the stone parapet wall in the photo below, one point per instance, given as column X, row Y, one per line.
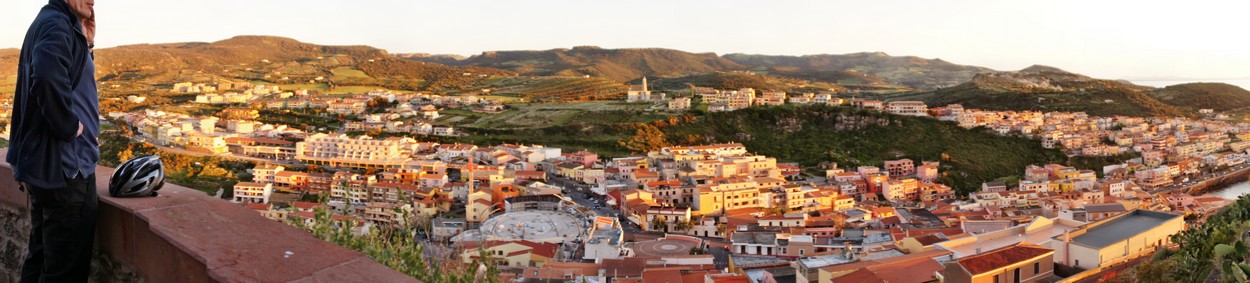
column 184, row 235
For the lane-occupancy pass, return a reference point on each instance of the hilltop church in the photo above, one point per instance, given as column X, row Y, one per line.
column 638, row 93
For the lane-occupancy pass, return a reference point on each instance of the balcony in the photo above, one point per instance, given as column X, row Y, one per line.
column 184, row 235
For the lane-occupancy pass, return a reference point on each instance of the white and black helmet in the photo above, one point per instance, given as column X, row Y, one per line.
column 138, row 177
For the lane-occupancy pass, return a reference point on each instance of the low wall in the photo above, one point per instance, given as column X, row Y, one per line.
column 184, row 235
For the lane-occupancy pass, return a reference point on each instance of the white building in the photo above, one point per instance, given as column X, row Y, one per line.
column 679, row 103
column 362, row 152
column 642, row 92
column 907, row 108
column 248, row 192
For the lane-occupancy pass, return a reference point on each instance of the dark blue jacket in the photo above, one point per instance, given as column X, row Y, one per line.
column 44, row 125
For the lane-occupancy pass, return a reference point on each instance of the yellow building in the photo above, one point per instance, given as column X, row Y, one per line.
column 729, row 194
column 208, row 143
column 480, row 206
column 843, row 203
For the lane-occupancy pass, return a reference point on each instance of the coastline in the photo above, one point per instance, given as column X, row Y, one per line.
column 1218, row 183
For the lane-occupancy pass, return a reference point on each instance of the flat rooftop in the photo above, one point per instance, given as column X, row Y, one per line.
column 1118, row 229
column 530, row 225
column 839, row 258
column 1042, row 230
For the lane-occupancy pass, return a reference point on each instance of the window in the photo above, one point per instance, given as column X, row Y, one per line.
column 1036, row 267
column 995, row 278
column 1017, row 275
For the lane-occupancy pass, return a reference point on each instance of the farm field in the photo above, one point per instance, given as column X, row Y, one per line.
column 540, row 115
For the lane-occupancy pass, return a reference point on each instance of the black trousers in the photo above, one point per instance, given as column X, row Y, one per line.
column 62, row 232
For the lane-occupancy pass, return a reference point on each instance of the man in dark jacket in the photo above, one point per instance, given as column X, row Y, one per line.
column 53, row 147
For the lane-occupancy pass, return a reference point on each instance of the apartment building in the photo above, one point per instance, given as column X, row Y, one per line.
column 248, row 192
column 364, row 152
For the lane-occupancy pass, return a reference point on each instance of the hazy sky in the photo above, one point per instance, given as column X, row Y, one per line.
column 1109, row 39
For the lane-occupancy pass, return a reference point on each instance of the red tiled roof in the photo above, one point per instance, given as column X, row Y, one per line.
column 290, row 173
column 547, row 250
column 1002, row 257
column 557, row 270
column 624, row 267
column 918, row 267
column 929, row 239
column 259, row 206
column 859, row 276
column 661, row 275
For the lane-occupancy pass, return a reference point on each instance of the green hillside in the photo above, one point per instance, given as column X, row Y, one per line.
column 816, row 134
column 1218, row 96
column 1044, row 88
column 809, row 135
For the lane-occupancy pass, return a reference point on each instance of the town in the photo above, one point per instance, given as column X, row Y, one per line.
column 715, row 211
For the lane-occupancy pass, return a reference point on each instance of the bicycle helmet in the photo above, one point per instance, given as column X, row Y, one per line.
column 138, row 177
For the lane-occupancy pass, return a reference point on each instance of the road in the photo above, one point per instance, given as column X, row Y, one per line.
column 581, row 195
column 1199, row 179
column 720, row 256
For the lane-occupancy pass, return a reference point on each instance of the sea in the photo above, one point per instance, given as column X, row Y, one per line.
column 1243, row 83
column 1232, row 192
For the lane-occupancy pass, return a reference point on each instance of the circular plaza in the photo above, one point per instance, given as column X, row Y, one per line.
column 670, row 245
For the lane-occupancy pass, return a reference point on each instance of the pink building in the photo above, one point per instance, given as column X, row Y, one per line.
column 585, row 158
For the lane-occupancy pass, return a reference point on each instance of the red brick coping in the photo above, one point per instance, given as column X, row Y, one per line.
column 184, row 235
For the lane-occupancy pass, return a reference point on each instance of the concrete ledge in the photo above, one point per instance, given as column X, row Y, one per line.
column 184, row 235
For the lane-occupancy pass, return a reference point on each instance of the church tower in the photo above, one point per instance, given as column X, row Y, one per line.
column 644, row 85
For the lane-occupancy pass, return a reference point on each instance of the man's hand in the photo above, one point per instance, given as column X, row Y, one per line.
column 88, row 29
column 79, row 130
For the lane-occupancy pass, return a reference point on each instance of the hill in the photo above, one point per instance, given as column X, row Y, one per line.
column 445, row 59
column 1045, row 88
column 270, row 60
column 736, row 80
column 1217, row 96
column 615, row 64
column 910, row 71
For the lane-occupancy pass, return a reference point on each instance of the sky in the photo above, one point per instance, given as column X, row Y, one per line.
column 1190, row 40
